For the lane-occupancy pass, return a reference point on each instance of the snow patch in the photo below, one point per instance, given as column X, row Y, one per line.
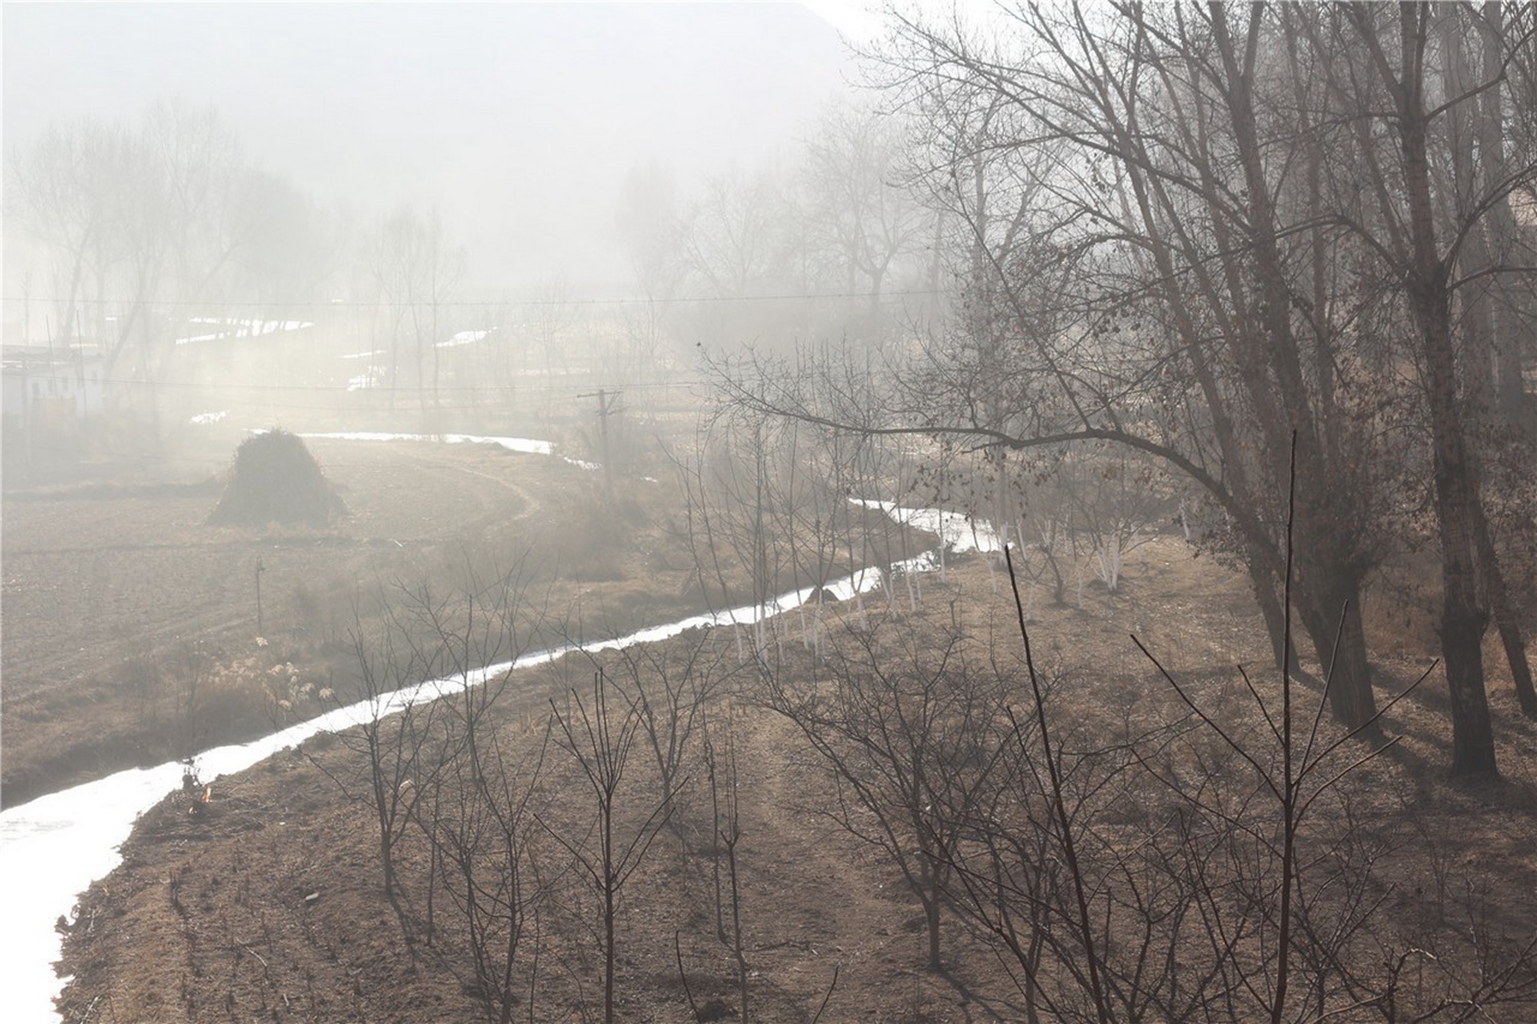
column 526, row 445
column 240, row 328
column 957, row 531
column 463, row 338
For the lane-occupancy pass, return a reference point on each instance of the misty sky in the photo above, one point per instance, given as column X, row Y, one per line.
column 518, row 121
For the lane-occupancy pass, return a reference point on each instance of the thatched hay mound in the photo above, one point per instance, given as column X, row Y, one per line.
column 275, row 479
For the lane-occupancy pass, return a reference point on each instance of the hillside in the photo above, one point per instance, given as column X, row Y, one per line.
column 268, row 901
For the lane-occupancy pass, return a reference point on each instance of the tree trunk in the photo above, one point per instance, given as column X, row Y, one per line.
column 1456, row 488
column 1455, row 476
column 1331, row 616
column 1505, row 616
column 1500, row 226
column 1264, row 589
column 929, row 897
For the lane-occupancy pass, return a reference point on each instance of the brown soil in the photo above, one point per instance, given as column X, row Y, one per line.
column 130, row 627
column 267, row 903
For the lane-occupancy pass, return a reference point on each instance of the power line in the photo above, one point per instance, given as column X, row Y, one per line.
column 483, row 303
column 375, row 389
column 222, row 461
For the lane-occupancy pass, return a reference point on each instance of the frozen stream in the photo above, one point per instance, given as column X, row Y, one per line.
column 957, row 531
column 52, row 848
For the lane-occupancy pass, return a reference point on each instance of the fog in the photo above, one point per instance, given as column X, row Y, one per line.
column 349, row 346
column 208, row 203
column 518, row 122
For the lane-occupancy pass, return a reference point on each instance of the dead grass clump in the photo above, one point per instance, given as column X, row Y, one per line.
column 275, row 479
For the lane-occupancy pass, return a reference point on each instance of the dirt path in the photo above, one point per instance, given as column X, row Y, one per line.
column 819, row 900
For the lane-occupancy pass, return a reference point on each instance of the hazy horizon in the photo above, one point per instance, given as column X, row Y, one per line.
column 518, row 122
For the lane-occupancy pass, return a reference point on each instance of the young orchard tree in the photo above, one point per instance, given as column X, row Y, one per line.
column 435, row 768
column 807, row 519
column 1203, row 865
column 900, row 727
column 599, row 736
column 674, row 685
column 737, row 490
column 1118, row 500
column 480, row 821
column 404, row 753
column 726, row 826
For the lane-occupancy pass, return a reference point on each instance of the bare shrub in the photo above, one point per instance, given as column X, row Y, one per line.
column 902, row 725
column 1205, row 864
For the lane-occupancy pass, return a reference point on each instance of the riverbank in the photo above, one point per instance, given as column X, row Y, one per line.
column 132, row 629
column 268, row 901
column 597, row 580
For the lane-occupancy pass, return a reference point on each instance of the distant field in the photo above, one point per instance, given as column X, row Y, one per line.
column 116, row 595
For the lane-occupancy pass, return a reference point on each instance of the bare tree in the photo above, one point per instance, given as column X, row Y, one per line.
column 1141, row 268
column 444, row 786
column 726, row 823
column 599, row 739
column 414, row 267
column 1102, row 863
column 551, row 315
column 65, row 192
column 1428, row 231
column 481, row 823
column 861, row 221
column 900, row 728
column 674, row 686
column 651, row 231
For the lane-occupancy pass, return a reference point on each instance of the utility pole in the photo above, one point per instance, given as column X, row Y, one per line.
column 259, row 570
column 607, row 406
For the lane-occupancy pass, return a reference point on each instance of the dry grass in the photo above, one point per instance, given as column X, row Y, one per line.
column 1444, row 857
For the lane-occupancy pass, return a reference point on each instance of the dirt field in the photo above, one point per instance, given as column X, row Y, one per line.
column 131, row 630
column 117, row 596
column 267, row 904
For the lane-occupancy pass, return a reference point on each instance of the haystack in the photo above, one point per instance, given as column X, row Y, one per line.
column 275, row 479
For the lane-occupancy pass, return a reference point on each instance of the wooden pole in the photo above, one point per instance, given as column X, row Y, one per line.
column 259, row 570
column 606, row 407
